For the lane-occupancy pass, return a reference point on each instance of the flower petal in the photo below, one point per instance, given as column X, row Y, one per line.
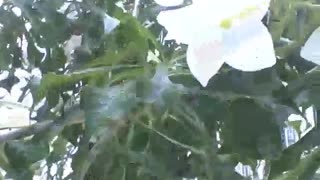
column 169, row 2
column 251, row 47
column 178, row 23
column 311, row 49
column 245, row 11
column 202, row 14
column 204, row 55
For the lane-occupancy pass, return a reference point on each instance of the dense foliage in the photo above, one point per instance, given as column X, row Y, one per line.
column 125, row 106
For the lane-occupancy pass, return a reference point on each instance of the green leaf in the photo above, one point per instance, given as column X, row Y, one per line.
column 23, row 153
column 19, row 174
column 53, row 82
column 55, row 30
column 53, row 62
column 113, row 57
column 4, row 164
column 305, row 169
column 251, row 130
column 139, row 139
column 58, row 150
column 71, row 133
column 52, row 98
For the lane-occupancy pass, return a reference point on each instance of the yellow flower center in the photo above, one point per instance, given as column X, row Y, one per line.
column 245, row 13
column 226, row 23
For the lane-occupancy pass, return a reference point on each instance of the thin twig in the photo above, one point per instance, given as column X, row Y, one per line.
column 192, row 149
column 28, row 131
column 102, row 69
column 73, row 117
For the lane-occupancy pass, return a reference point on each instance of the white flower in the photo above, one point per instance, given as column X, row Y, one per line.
column 311, row 49
column 221, row 31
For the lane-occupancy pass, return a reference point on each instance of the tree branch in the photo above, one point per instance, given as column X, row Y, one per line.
column 73, row 116
column 27, row 131
column 12, row 104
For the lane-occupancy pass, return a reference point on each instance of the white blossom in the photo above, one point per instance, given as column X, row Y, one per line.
column 311, row 49
column 218, row 32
